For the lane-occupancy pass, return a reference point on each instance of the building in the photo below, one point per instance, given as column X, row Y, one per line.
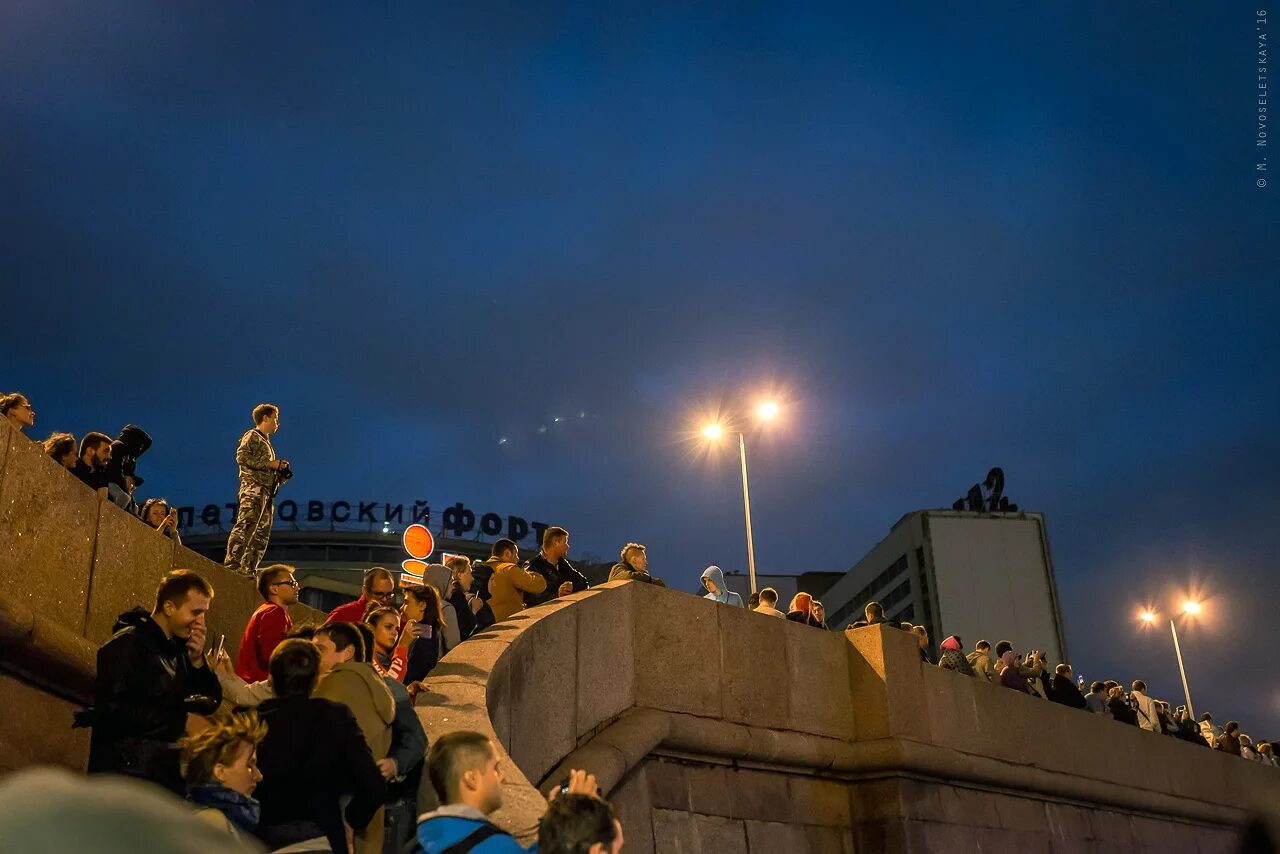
column 976, row 575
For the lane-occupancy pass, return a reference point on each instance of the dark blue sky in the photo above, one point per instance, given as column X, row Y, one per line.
column 1025, row 237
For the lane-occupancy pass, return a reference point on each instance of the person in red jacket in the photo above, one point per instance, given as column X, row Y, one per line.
column 269, row 624
column 378, row 588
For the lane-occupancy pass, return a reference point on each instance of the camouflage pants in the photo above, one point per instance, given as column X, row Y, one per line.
column 246, row 545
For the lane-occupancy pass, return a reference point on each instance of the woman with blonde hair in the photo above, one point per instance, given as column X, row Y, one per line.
column 221, row 770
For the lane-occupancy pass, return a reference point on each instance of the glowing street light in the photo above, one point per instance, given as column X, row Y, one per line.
column 766, row 412
column 1147, row 617
column 1190, row 607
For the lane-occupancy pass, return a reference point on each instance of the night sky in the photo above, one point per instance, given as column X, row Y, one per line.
column 1026, row 236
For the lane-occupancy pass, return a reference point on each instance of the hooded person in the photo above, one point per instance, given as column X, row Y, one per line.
column 440, row 577
column 713, row 581
column 121, row 471
column 953, row 657
column 801, row 611
column 1013, row 674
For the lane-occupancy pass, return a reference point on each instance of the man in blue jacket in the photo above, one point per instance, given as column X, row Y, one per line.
column 463, row 768
column 464, row 771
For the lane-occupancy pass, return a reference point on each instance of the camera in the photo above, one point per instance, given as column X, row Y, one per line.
column 284, row 472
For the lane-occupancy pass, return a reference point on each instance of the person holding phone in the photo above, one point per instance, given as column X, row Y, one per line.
column 151, row 679
column 157, row 513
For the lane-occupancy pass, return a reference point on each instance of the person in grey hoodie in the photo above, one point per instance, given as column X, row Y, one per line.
column 713, row 580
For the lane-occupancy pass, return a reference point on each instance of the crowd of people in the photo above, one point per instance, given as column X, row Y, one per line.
column 1033, row 674
column 238, row 740
column 308, row 741
column 107, row 466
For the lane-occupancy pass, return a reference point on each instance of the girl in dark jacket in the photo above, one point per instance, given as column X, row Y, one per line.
column 801, row 611
column 1120, row 708
column 422, row 606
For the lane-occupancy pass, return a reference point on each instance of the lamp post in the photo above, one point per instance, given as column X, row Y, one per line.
column 1190, row 608
column 766, row 412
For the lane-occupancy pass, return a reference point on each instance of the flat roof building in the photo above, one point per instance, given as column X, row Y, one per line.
column 973, row 574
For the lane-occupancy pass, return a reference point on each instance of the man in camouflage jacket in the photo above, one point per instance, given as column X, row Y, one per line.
column 258, row 482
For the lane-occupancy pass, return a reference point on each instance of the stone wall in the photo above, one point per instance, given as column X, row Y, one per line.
column 715, row 729
column 71, row 562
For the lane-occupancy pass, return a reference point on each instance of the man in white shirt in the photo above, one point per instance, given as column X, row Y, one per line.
column 768, row 603
column 1148, row 715
column 1209, row 729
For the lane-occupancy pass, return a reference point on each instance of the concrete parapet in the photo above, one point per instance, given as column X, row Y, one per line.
column 70, row 563
column 715, row 729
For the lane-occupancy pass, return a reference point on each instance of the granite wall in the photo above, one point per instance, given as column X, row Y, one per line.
column 71, row 562
column 714, row 729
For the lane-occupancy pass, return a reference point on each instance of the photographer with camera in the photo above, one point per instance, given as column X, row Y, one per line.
column 261, row 475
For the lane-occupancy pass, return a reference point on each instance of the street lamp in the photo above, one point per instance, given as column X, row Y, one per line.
column 1190, row 608
column 767, row 411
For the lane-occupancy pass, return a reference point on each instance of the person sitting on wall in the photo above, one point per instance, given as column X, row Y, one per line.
column 1145, row 707
column 801, row 611
column 713, row 581
column 875, row 616
column 465, row 773
column 269, row 623
column 222, row 772
column 120, row 472
column 953, row 658
column 579, row 824
column 1118, row 705
column 553, row 564
column 980, row 661
column 151, row 675
column 378, row 587
column 922, row 638
column 95, row 454
column 1096, row 702
column 769, row 603
column 313, row 756
column 1064, row 689
column 16, row 409
column 157, row 513
column 634, row 566
column 61, row 448
column 1209, row 729
column 509, row 580
column 1014, row 674
column 1229, row 741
